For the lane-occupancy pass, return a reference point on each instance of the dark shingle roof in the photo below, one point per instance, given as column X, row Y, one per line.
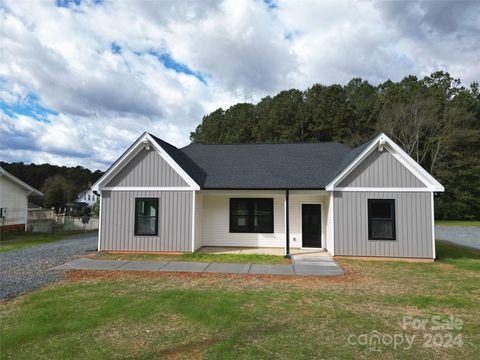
column 263, row 166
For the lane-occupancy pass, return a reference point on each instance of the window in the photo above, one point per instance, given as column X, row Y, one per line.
column 251, row 215
column 146, row 216
column 381, row 219
column 88, row 197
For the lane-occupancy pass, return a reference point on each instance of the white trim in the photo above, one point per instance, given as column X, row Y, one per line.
column 26, row 212
column 414, row 167
column 146, row 188
column 284, row 221
column 430, row 182
column 19, row 182
column 193, row 221
column 322, row 225
column 433, row 229
column 112, row 171
column 99, row 221
column 246, row 192
column 353, row 164
column 331, row 217
column 173, row 163
column 384, row 189
column 142, row 141
column 310, row 192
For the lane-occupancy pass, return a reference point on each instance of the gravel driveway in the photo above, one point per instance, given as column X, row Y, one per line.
column 27, row 269
column 461, row 235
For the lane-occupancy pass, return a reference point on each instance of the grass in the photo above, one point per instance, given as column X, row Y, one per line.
column 201, row 257
column 456, row 223
column 19, row 240
column 97, row 316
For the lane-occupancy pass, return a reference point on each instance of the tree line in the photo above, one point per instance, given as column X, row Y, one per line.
column 59, row 184
column 435, row 119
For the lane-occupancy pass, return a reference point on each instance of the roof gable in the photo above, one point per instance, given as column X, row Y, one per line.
column 147, row 168
column 383, row 170
column 144, row 141
column 382, row 141
column 20, row 183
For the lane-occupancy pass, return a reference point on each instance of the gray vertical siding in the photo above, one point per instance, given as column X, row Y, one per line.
column 413, row 225
column 174, row 227
column 381, row 169
column 147, row 168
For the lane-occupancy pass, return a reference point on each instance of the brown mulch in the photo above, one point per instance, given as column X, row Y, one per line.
column 80, row 275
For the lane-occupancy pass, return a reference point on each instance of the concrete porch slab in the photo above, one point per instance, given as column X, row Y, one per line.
column 228, row 268
column 315, row 270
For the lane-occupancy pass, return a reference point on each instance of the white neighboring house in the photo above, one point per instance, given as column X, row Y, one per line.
column 14, row 198
column 87, row 197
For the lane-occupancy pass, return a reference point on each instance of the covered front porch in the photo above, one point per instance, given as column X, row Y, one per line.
column 301, row 222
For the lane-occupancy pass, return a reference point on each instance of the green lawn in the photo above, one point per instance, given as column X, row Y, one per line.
column 456, row 223
column 202, row 257
column 228, row 317
column 19, row 240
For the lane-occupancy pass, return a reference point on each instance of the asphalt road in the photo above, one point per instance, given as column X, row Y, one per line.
column 461, row 235
column 27, row 269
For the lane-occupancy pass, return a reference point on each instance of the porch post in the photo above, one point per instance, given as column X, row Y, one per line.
column 287, row 226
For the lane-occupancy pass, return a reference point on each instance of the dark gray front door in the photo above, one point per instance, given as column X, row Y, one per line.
column 311, row 225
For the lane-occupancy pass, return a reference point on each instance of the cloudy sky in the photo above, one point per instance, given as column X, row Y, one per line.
column 80, row 80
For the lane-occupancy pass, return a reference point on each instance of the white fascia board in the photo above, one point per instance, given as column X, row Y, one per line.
column 119, row 163
column 134, row 150
column 382, row 189
column 173, row 164
column 414, row 166
column 428, row 180
column 353, row 164
column 434, row 252
column 147, row 188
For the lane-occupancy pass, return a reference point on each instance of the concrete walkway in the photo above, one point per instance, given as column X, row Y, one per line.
column 302, row 265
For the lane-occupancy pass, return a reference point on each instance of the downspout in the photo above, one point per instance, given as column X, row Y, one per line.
column 287, row 226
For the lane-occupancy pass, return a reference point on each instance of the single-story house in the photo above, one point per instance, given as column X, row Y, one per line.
column 373, row 200
column 14, row 195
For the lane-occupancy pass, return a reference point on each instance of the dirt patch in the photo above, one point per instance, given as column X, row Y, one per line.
column 445, row 266
column 192, row 350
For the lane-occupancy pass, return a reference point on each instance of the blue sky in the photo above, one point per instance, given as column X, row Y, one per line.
column 80, row 80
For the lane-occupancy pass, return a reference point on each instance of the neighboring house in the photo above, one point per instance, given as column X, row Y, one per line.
column 87, row 197
column 14, row 198
column 373, row 200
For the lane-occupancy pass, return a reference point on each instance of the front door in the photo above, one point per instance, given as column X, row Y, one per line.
column 311, row 225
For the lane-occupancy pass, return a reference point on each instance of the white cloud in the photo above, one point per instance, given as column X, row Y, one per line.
column 243, row 50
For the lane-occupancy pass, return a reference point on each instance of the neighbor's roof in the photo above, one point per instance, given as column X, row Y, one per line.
column 263, row 166
column 19, row 182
